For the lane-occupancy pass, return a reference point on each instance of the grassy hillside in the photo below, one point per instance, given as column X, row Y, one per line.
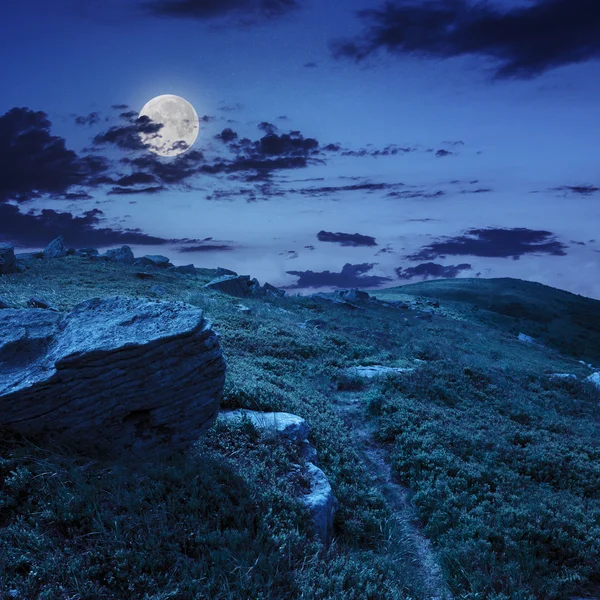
column 561, row 320
column 500, row 461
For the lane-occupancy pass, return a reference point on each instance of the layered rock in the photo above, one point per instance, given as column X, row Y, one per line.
column 242, row 286
column 113, row 377
column 55, row 249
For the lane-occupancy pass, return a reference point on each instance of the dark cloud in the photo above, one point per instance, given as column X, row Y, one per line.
column 91, row 119
column 346, row 239
column 286, row 144
column 127, row 137
column 526, row 41
column 31, row 230
column 121, row 191
column 350, row 276
column 310, row 65
column 251, row 11
column 492, row 242
column 206, row 248
column 443, row 152
column 426, row 270
column 119, row 106
column 416, row 194
column 136, row 178
column 35, row 162
column 330, row 189
column 268, row 127
column 174, row 171
column 227, row 135
column 583, row 190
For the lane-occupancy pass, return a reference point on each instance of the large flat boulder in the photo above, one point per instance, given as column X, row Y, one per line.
column 113, row 377
column 55, row 249
column 240, row 286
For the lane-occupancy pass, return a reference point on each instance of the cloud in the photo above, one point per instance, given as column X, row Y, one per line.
column 349, row 277
column 34, row 162
column 121, row 191
column 443, row 152
column 493, row 242
column 426, row 270
column 346, row 239
column 206, row 248
column 526, row 41
column 227, row 135
column 250, row 11
column 91, row 119
column 268, row 127
column 311, row 65
column 31, row 230
column 583, row 190
column 127, row 137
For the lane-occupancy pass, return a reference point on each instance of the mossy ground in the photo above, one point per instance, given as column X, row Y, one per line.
column 502, row 461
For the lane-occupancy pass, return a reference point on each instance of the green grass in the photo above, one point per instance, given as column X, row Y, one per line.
column 502, row 461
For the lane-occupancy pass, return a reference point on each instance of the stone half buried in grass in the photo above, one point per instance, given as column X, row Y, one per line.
column 320, row 500
column 113, row 377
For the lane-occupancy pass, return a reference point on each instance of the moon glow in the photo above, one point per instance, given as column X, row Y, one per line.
column 180, row 125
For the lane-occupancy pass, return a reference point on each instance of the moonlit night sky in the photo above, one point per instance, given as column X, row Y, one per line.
column 346, row 143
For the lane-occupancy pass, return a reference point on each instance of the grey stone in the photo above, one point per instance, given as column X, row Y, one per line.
column 271, row 290
column 239, row 285
column 243, row 309
column 293, row 427
column 55, row 249
column 40, row 303
column 8, row 261
column 321, row 502
column 153, row 260
column 184, row 269
column 29, row 255
column 562, row 376
column 594, row 379
column 113, row 377
column 353, row 295
column 123, row 255
column 220, row 272
column 377, row 371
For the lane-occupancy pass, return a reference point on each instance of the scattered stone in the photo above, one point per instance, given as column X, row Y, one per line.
column 220, row 272
column 271, row 290
column 320, row 501
column 29, row 255
column 240, row 286
column 153, row 260
column 123, row 255
column 183, row 269
column 41, row 303
column 55, row 249
column 377, row 371
column 594, row 378
column 562, row 376
column 243, row 309
column 114, row 376
column 353, row 295
column 316, row 323
column 525, row 338
column 8, row 261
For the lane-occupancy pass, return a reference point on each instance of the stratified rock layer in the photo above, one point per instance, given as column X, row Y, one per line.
column 113, row 377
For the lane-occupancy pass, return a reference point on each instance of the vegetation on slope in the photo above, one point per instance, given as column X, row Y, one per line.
column 501, row 461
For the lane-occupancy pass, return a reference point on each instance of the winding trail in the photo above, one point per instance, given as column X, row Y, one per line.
column 376, row 458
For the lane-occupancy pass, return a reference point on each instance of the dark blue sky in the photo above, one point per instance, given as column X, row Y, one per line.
column 347, row 143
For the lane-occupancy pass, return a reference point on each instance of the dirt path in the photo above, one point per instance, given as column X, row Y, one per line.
column 376, row 458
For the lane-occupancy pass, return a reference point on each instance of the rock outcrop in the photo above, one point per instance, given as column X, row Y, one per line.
column 320, row 501
column 8, row 261
column 153, row 260
column 55, row 249
column 241, row 286
column 113, row 377
column 184, row 269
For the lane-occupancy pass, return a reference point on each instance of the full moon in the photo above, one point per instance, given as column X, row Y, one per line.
column 179, row 122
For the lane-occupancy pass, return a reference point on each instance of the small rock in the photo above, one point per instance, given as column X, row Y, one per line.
column 377, row 371
column 55, row 249
column 594, row 378
column 243, row 309
column 239, row 285
column 271, row 290
column 293, row 427
column 184, row 269
column 153, row 260
column 122, row 255
column 86, row 252
column 40, row 303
